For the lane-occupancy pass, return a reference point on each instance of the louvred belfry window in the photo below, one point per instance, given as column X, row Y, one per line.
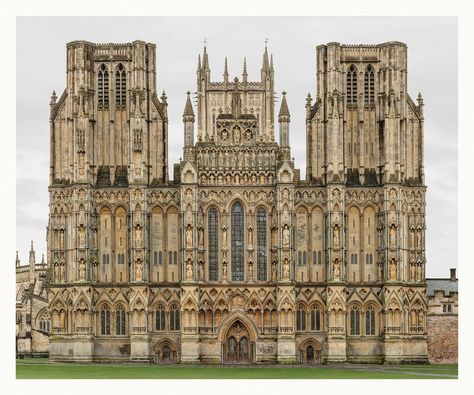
column 351, row 86
column 120, row 88
column 103, row 88
column 369, row 87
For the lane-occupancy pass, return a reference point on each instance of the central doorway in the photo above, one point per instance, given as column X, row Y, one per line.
column 237, row 348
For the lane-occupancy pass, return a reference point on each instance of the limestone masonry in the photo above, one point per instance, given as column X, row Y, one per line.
column 237, row 259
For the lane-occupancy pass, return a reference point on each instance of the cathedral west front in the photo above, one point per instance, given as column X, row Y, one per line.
column 237, row 259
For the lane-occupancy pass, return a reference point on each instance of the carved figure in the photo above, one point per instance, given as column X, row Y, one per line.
column 138, row 236
column 82, row 269
column 286, row 269
column 286, row 236
column 393, row 270
column 189, row 269
column 336, row 268
column 138, row 270
column 189, row 237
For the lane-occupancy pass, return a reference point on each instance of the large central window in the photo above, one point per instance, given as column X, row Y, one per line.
column 237, row 228
column 213, row 244
column 262, row 244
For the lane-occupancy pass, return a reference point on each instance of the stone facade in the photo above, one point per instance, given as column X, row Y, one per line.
column 33, row 322
column 442, row 319
column 237, row 260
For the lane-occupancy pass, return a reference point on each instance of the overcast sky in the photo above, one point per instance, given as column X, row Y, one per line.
column 432, row 70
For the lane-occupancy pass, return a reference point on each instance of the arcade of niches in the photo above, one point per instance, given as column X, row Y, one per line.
column 236, row 259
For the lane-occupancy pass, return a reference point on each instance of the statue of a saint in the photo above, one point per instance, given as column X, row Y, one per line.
column 224, row 271
column 250, row 237
column 336, row 268
column 286, row 236
column 236, row 135
column 82, row 269
column 286, row 269
column 82, row 236
column 393, row 236
column 412, row 272
column 224, row 237
column 201, row 238
column 138, row 236
column 274, row 271
column 393, row 270
column 189, row 270
column 336, row 236
column 189, row 237
column 418, row 272
column 138, row 270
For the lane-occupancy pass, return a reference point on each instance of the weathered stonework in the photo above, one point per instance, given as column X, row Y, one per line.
column 442, row 319
column 237, row 260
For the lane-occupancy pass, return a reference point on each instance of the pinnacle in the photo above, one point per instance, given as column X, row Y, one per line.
column 188, row 109
column 284, row 107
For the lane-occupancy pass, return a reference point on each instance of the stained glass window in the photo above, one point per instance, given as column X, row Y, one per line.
column 213, row 244
column 120, row 320
column 105, row 320
column 262, row 244
column 237, row 244
column 160, row 318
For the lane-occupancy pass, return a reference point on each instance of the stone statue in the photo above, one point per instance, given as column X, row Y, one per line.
column 250, row 270
column 201, row 270
column 224, row 271
column 412, row 272
column 336, row 236
column 336, row 268
column 138, row 236
column 189, row 237
column 82, row 236
column 224, row 237
column 286, row 269
column 393, row 236
column 418, row 238
column 138, row 270
column 418, row 273
column 274, row 271
column 286, row 236
column 393, row 270
column 82, row 270
column 189, row 270
column 236, row 135
column 201, row 238
column 250, row 237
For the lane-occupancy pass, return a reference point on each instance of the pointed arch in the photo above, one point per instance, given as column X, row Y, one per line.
column 351, row 85
column 103, row 88
column 237, row 240
column 369, row 86
column 120, row 88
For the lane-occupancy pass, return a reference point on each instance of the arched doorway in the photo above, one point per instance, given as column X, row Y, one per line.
column 310, row 352
column 237, row 347
column 165, row 352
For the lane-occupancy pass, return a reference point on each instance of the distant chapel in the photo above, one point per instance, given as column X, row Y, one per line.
column 237, row 260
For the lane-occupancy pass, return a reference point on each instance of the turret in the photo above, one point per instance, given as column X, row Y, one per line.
column 244, row 72
column 284, row 120
column 32, row 260
column 188, row 119
column 226, row 72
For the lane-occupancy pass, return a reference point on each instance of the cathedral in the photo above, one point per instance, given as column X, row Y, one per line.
column 236, row 259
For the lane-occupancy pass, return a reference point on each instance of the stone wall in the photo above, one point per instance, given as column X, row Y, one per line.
column 442, row 338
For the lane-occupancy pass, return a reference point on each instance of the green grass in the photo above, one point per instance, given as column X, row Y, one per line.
column 43, row 369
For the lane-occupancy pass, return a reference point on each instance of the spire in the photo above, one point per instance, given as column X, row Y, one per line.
column 53, row 98
column 199, row 63
column 205, row 59
column 42, row 259
column 244, row 73
column 226, row 72
column 271, row 62
column 284, row 112
column 188, row 109
column 266, row 64
column 32, row 254
column 17, row 260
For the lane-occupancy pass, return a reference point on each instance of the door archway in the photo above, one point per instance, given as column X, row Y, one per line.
column 237, row 347
column 310, row 352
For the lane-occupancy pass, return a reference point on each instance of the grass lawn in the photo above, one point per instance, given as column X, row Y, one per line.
column 43, row 369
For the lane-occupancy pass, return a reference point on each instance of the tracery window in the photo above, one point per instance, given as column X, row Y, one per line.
column 174, row 318
column 120, row 87
column 370, row 321
column 120, row 321
column 160, row 318
column 315, row 319
column 212, row 224
column 45, row 322
column 262, row 244
column 105, row 320
column 355, row 321
column 351, row 87
column 301, row 318
column 237, row 230
column 103, row 88
column 369, row 86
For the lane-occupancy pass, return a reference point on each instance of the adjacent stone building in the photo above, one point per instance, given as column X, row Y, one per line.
column 33, row 324
column 442, row 319
column 237, row 259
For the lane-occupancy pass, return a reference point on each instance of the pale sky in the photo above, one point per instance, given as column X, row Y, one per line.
column 432, row 70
